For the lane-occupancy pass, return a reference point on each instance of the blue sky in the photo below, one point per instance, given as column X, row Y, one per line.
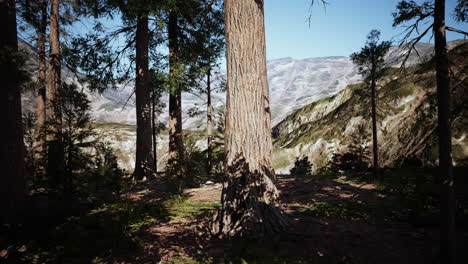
column 339, row 30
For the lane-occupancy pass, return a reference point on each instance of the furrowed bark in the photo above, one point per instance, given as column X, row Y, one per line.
column 55, row 166
column 41, row 88
column 249, row 201
column 144, row 165
column 176, row 143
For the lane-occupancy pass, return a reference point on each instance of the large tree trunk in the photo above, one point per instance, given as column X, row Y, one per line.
column 249, row 201
column 55, row 161
column 176, row 143
column 12, row 187
column 447, row 206
column 144, row 165
column 375, row 146
column 209, row 125
column 41, row 88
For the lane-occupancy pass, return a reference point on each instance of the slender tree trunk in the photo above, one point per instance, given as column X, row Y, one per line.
column 209, row 125
column 144, row 165
column 249, row 200
column 41, row 89
column 375, row 145
column 12, row 187
column 55, row 166
column 447, row 206
column 176, row 143
column 153, row 124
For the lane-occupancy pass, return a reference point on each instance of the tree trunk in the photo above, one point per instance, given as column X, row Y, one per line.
column 447, row 206
column 249, row 201
column 375, row 146
column 41, row 89
column 209, row 125
column 55, row 166
column 153, row 124
column 144, row 165
column 176, row 148
column 12, row 187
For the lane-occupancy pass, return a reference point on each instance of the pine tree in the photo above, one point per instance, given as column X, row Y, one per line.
column 445, row 138
column 103, row 66
column 210, row 47
column 249, row 201
column 371, row 61
column 416, row 15
column 12, row 187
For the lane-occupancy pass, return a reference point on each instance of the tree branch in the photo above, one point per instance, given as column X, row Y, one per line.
column 456, row 30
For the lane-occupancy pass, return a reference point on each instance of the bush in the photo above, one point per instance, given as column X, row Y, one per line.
column 356, row 159
column 302, row 167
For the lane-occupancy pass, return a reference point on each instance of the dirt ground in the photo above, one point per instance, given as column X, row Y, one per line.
column 310, row 236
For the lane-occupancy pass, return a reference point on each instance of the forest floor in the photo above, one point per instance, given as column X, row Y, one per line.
column 333, row 221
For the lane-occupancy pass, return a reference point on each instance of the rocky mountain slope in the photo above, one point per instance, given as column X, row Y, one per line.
column 407, row 119
column 294, row 85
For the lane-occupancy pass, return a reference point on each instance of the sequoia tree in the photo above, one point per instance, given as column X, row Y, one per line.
column 370, row 61
column 175, row 92
column 12, row 187
column 144, row 165
column 41, row 80
column 249, row 201
column 55, row 161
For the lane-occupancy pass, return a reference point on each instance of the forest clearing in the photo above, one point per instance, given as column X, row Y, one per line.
column 335, row 220
column 234, row 131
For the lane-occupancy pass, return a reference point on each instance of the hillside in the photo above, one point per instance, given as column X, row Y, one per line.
column 407, row 119
column 293, row 83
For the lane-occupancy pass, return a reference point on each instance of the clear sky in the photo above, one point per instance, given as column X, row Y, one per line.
column 339, row 30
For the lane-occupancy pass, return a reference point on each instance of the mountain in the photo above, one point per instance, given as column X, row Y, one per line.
column 407, row 119
column 293, row 83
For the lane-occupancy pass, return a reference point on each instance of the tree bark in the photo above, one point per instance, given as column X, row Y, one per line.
column 209, row 125
column 41, row 88
column 375, row 146
column 447, row 206
column 249, row 201
column 12, row 187
column 153, row 124
column 176, row 151
column 55, row 166
column 144, row 165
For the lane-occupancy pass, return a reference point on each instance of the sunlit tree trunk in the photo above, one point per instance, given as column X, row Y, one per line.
column 144, row 165
column 55, row 166
column 249, row 201
column 12, row 186
column 41, row 87
column 447, row 207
